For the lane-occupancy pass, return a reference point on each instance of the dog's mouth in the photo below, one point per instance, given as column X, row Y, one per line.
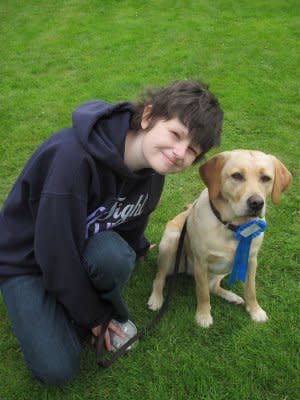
column 253, row 213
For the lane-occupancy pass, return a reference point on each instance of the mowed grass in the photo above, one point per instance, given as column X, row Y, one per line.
column 58, row 54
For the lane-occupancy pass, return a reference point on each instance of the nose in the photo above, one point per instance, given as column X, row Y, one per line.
column 255, row 203
column 180, row 150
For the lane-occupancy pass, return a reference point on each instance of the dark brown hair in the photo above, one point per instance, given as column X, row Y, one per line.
column 189, row 101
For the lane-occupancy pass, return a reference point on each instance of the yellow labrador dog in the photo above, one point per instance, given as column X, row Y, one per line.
column 238, row 183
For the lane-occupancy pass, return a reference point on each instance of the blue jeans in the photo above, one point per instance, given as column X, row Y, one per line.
column 47, row 336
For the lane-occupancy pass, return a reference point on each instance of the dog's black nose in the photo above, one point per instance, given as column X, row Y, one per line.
column 255, row 203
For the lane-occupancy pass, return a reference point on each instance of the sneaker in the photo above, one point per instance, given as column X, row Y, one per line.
column 128, row 328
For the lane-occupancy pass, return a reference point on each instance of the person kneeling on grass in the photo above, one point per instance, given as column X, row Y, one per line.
column 73, row 225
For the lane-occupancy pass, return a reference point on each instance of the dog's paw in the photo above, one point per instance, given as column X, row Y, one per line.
column 258, row 315
column 155, row 302
column 233, row 298
column 204, row 320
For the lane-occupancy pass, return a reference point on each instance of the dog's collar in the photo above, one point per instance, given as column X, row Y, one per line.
column 228, row 225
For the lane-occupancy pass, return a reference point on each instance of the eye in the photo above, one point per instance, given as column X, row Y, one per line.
column 265, row 178
column 237, row 176
column 193, row 151
column 174, row 133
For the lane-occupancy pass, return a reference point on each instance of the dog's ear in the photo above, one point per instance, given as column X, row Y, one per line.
column 210, row 173
column 282, row 180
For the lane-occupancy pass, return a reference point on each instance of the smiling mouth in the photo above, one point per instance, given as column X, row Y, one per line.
column 169, row 160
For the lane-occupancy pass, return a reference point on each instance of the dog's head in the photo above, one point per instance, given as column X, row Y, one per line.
column 244, row 178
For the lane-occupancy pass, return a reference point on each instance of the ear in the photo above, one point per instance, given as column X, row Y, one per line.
column 210, row 173
column 146, row 117
column 282, row 180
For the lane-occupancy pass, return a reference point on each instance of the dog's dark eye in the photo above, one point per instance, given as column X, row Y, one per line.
column 237, row 176
column 265, row 178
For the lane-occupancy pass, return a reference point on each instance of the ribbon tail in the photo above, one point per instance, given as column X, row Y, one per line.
column 245, row 259
column 239, row 270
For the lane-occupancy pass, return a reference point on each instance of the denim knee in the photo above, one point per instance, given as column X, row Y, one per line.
column 109, row 259
column 57, row 372
column 47, row 337
column 118, row 262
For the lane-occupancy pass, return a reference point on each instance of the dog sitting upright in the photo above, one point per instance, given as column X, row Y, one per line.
column 238, row 183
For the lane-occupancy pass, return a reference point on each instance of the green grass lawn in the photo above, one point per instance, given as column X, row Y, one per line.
column 58, row 54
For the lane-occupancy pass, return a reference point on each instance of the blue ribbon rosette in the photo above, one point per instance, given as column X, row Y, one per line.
column 244, row 234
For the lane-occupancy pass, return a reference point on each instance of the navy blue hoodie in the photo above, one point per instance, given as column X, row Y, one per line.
column 74, row 185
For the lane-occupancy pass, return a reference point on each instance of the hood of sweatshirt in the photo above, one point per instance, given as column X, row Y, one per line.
column 102, row 128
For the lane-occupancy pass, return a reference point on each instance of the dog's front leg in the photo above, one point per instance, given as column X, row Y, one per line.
column 203, row 315
column 165, row 263
column 252, row 306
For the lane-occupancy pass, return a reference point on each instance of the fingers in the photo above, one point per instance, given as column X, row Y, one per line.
column 96, row 330
column 107, row 341
column 115, row 329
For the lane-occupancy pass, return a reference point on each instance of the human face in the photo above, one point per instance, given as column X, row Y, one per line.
column 167, row 147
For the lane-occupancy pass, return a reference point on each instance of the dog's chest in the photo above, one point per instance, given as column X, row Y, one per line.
column 220, row 262
column 220, row 258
